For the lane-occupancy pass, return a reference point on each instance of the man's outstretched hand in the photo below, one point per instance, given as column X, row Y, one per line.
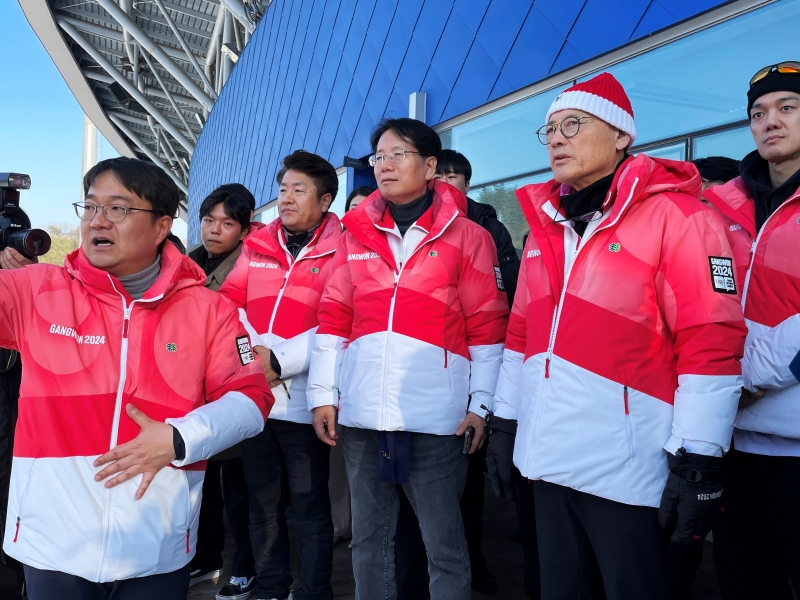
column 145, row 455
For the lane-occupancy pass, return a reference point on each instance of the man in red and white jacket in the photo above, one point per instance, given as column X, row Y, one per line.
column 759, row 532
column 278, row 281
column 621, row 365
column 411, row 325
column 130, row 364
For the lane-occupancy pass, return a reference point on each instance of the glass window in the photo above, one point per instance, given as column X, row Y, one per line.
column 503, row 143
column 669, row 151
column 701, row 81
column 734, row 143
column 337, row 207
column 503, row 197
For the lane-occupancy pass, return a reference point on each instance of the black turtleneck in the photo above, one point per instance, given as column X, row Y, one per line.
column 588, row 200
column 755, row 174
column 297, row 241
column 405, row 215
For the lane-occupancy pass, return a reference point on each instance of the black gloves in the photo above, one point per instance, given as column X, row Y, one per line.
column 500, row 454
column 692, row 496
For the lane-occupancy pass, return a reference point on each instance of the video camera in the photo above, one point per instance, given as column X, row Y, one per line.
column 15, row 229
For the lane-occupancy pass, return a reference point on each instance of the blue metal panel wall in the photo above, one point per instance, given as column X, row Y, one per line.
column 319, row 74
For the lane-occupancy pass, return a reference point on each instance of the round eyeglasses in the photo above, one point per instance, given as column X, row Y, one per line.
column 115, row 213
column 569, row 127
column 394, row 157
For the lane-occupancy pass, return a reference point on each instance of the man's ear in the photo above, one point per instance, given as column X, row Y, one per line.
column 430, row 167
column 163, row 225
column 623, row 140
column 326, row 202
column 466, row 184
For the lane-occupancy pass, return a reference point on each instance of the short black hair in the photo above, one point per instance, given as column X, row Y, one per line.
column 236, row 200
column 423, row 138
column 316, row 167
column 364, row 190
column 454, row 162
column 717, row 168
column 144, row 179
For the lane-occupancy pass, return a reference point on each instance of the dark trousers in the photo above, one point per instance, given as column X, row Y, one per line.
column 757, row 536
column 411, row 562
column 293, row 450
column 231, row 494
column 526, row 523
column 48, row 585
column 683, row 560
column 592, row 548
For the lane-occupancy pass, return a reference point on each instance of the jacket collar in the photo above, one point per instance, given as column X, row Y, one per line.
column 735, row 201
column 369, row 218
column 270, row 239
column 177, row 272
column 217, row 277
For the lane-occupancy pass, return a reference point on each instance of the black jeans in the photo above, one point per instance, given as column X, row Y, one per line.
column 49, row 585
column 757, row 536
column 593, row 548
column 232, row 495
column 292, row 449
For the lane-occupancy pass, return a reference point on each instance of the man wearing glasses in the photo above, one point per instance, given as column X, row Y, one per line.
column 130, row 366
column 621, row 365
column 757, row 538
column 416, row 296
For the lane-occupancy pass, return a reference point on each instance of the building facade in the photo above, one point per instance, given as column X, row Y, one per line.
column 319, row 74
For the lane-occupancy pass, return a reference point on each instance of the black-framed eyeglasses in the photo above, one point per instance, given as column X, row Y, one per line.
column 569, row 127
column 115, row 213
column 790, row 66
column 394, row 157
column 592, row 215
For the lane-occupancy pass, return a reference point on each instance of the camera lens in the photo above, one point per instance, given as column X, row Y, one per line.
column 29, row 242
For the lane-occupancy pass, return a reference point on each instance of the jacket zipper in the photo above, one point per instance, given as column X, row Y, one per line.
column 628, row 424
column 22, row 501
column 755, row 245
column 397, row 274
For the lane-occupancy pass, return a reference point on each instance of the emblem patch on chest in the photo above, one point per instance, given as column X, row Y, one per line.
column 172, row 347
column 314, row 270
column 614, row 247
column 722, row 278
column 498, row 276
column 433, row 253
column 244, row 350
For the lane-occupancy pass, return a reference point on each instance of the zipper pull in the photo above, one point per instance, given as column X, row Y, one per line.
column 187, row 541
column 16, row 533
column 547, row 368
column 126, row 321
column 625, row 399
column 753, row 247
column 396, row 278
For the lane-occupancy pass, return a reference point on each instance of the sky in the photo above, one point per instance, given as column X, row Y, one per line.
column 41, row 125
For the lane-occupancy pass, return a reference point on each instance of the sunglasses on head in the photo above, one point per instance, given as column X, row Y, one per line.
column 789, row 66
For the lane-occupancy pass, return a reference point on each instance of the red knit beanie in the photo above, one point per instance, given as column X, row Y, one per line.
column 601, row 96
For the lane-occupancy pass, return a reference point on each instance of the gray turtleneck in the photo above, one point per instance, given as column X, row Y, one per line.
column 138, row 283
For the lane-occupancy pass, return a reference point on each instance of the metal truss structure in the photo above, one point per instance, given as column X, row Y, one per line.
column 146, row 72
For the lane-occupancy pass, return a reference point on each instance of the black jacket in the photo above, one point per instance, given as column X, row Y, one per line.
column 486, row 216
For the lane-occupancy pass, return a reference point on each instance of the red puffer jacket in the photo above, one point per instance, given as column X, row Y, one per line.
column 423, row 317
column 179, row 354
column 625, row 342
column 769, row 271
column 280, row 297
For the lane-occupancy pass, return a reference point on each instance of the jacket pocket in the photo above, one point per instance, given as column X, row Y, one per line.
column 21, row 504
column 628, row 423
column 447, row 367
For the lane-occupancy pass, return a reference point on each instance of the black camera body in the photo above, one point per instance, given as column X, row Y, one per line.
column 15, row 231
